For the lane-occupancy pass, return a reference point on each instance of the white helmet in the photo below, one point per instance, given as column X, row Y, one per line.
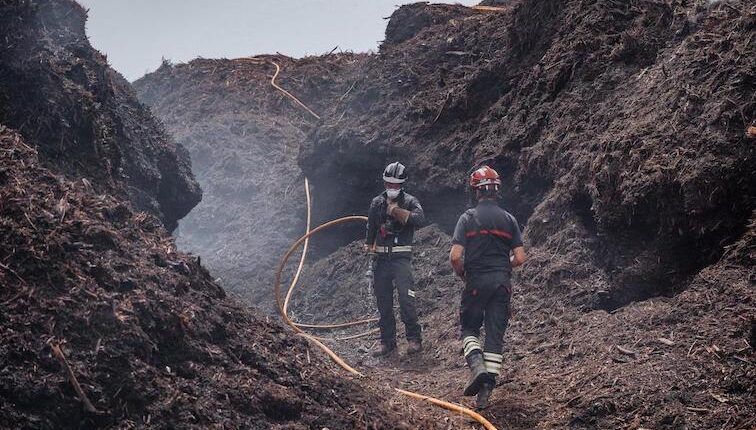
column 395, row 173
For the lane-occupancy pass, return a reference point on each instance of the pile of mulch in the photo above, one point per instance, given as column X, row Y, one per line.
column 81, row 115
column 244, row 136
column 619, row 130
column 150, row 338
column 104, row 324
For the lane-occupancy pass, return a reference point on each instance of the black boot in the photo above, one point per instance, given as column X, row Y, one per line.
column 485, row 392
column 478, row 373
column 386, row 350
column 414, row 346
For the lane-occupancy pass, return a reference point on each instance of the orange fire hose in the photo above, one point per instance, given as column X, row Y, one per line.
column 304, row 251
column 296, row 279
column 273, row 82
column 282, row 309
column 342, row 325
column 451, row 407
column 488, row 8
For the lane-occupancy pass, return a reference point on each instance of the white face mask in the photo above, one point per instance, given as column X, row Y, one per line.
column 392, row 194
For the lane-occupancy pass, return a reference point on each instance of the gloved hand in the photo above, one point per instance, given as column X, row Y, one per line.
column 399, row 214
column 390, row 207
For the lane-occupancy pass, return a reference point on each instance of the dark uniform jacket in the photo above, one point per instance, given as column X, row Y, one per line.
column 387, row 232
column 488, row 234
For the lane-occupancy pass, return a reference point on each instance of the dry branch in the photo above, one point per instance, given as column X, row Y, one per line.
column 71, row 377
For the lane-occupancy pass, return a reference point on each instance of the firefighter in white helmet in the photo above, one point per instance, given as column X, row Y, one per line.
column 392, row 219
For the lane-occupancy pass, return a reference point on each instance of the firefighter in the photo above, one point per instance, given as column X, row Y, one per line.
column 392, row 219
column 486, row 245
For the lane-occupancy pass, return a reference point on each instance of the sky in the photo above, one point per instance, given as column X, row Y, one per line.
column 137, row 34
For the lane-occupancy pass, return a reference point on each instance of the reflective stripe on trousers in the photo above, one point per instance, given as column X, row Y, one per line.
column 485, row 300
column 393, row 249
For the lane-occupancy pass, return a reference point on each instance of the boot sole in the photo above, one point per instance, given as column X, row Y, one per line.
column 481, row 405
column 479, row 408
column 387, row 354
column 473, row 388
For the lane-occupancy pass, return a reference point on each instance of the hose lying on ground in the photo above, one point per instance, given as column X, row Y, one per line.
column 296, row 279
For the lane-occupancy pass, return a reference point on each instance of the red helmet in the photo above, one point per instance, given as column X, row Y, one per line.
column 485, row 178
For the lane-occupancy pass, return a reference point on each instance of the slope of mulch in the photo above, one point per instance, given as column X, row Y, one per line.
column 243, row 136
column 88, row 182
column 619, row 128
column 152, row 340
column 664, row 363
column 62, row 96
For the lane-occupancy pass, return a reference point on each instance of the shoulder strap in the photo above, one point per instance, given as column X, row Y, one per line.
column 475, row 218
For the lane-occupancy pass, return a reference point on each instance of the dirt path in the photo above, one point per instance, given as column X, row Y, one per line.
column 646, row 364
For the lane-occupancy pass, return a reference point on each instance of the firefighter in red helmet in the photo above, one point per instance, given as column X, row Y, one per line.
column 486, row 245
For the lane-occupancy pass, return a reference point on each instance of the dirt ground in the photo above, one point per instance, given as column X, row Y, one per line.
column 666, row 363
column 152, row 340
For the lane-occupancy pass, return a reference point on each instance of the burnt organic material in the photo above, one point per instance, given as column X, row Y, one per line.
column 62, row 96
column 243, row 136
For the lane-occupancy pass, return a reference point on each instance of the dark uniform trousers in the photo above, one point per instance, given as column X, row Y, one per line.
column 395, row 271
column 485, row 301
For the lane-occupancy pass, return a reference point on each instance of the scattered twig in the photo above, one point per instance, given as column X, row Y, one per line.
column 625, row 351
column 72, row 378
column 62, row 206
column 348, row 91
column 727, row 422
column 733, row 8
column 751, row 132
column 30, row 222
column 13, row 272
column 720, row 399
column 458, row 53
column 442, row 107
column 692, row 409
column 14, row 298
column 691, row 348
column 713, row 349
